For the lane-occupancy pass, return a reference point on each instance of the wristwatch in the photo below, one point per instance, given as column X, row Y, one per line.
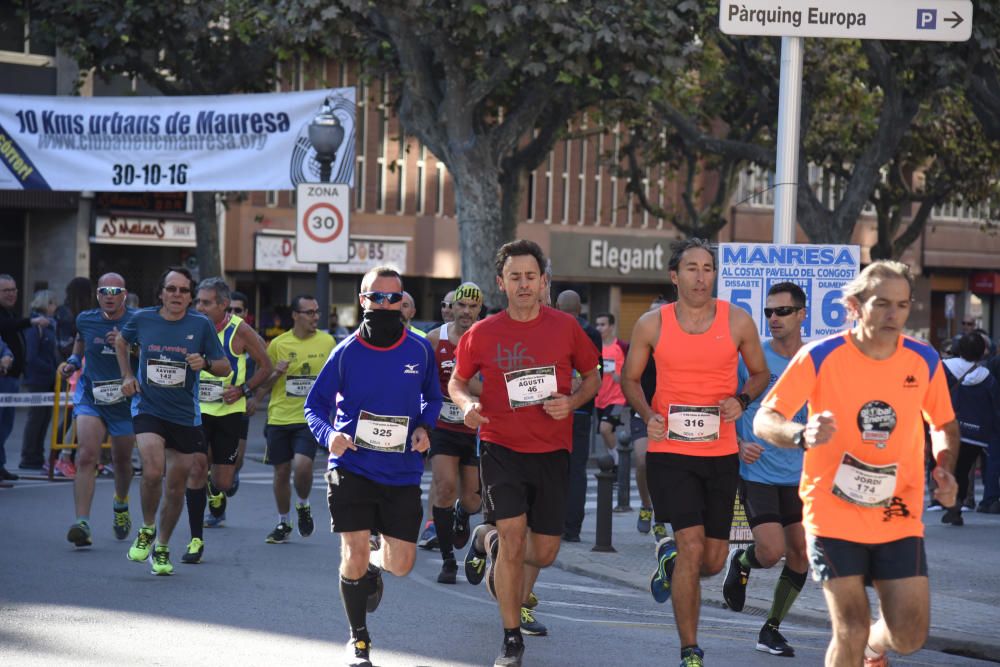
column 744, row 400
column 800, row 439
column 247, row 391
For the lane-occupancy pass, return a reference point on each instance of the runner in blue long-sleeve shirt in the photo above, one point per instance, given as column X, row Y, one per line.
column 373, row 406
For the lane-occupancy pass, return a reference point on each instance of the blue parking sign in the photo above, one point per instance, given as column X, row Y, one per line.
column 926, row 19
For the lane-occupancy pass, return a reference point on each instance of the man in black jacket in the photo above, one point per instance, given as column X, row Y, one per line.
column 12, row 328
column 569, row 302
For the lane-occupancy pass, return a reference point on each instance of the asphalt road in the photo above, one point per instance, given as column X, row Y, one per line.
column 252, row 603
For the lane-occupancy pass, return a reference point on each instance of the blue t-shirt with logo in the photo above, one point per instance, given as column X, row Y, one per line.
column 776, row 465
column 101, row 365
column 168, row 388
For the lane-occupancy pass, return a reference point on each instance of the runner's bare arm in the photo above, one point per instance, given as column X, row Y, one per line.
column 774, row 427
column 129, row 384
column 67, row 368
column 462, row 396
column 945, row 443
column 751, row 351
column 247, row 341
column 644, row 336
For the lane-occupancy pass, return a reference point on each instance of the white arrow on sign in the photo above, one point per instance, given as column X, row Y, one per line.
column 913, row 20
column 322, row 223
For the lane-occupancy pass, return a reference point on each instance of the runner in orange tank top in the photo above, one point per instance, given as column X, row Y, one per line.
column 869, row 391
column 692, row 468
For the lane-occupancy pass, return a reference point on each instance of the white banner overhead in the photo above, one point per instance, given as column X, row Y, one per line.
column 163, row 144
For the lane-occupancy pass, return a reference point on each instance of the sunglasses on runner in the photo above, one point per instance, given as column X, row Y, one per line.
column 383, row 297
column 173, row 289
column 235, row 311
column 781, row 311
column 445, row 304
column 110, row 291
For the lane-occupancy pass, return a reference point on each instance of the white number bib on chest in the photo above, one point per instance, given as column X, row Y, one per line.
column 382, row 433
column 530, row 386
column 298, row 386
column 107, row 392
column 609, row 366
column 864, row 484
column 693, row 423
column 210, row 391
column 166, row 374
column 451, row 413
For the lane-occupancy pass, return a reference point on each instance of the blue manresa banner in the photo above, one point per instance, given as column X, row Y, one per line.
column 210, row 143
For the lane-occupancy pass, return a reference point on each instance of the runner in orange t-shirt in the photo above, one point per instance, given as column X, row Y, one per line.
column 692, row 468
column 869, row 391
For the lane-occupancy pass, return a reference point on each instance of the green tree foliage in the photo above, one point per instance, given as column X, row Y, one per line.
column 490, row 85
column 873, row 114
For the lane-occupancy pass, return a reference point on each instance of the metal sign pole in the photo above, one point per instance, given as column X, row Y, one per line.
column 789, row 119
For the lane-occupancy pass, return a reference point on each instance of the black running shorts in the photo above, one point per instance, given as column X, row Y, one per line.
column 284, row 441
column 223, row 436
column 605, row 415
column 830, row 558
column 536, row 485
column 453, row 443
column 178, row 437
column 358, row 503
column 692, row 491
column 770, row 503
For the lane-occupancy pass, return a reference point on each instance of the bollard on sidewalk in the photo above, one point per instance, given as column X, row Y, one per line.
column 624, row 471
column 605, row 482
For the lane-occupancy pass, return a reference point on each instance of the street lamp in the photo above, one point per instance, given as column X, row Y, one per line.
column 326, row 134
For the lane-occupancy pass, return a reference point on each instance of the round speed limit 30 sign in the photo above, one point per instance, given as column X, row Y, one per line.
column 322, row 228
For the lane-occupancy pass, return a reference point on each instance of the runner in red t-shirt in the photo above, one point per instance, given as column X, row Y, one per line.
column 610, row 400
column 526, row 355
column 454, row 455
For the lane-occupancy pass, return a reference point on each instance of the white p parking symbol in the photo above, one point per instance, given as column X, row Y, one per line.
column 926, row 19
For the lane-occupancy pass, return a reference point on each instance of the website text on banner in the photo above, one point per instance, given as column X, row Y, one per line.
column 163, row 144
column 748, row 270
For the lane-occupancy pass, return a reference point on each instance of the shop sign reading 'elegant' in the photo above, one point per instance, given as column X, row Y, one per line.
column 615, row 257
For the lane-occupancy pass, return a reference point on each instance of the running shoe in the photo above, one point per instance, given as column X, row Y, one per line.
column 216, row 502
column 692, row 657
column 659, row 582
column 280, row 534
column 306, row 524
column 429, row 538
column 935, row 506
column 161, row 561
column 881, row 661
column 139, row 551
column 374, row 576
column 475, row 560
column 235, row 487
column 214, row 521
column 770, row 641
column 953, row 515
column 734, row 587
column 510, row 654
column 493, row 548
column 532, row 601
column 358, row 653
column 122, row 522
column 659, row 531
column 645, row 520
column 530, row 626
column 460, row 527
column 449, row 572
column 79, row 534
column 195, row 550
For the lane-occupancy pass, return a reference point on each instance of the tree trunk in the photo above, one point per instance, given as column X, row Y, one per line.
column 206, row 224
column 477, row 199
